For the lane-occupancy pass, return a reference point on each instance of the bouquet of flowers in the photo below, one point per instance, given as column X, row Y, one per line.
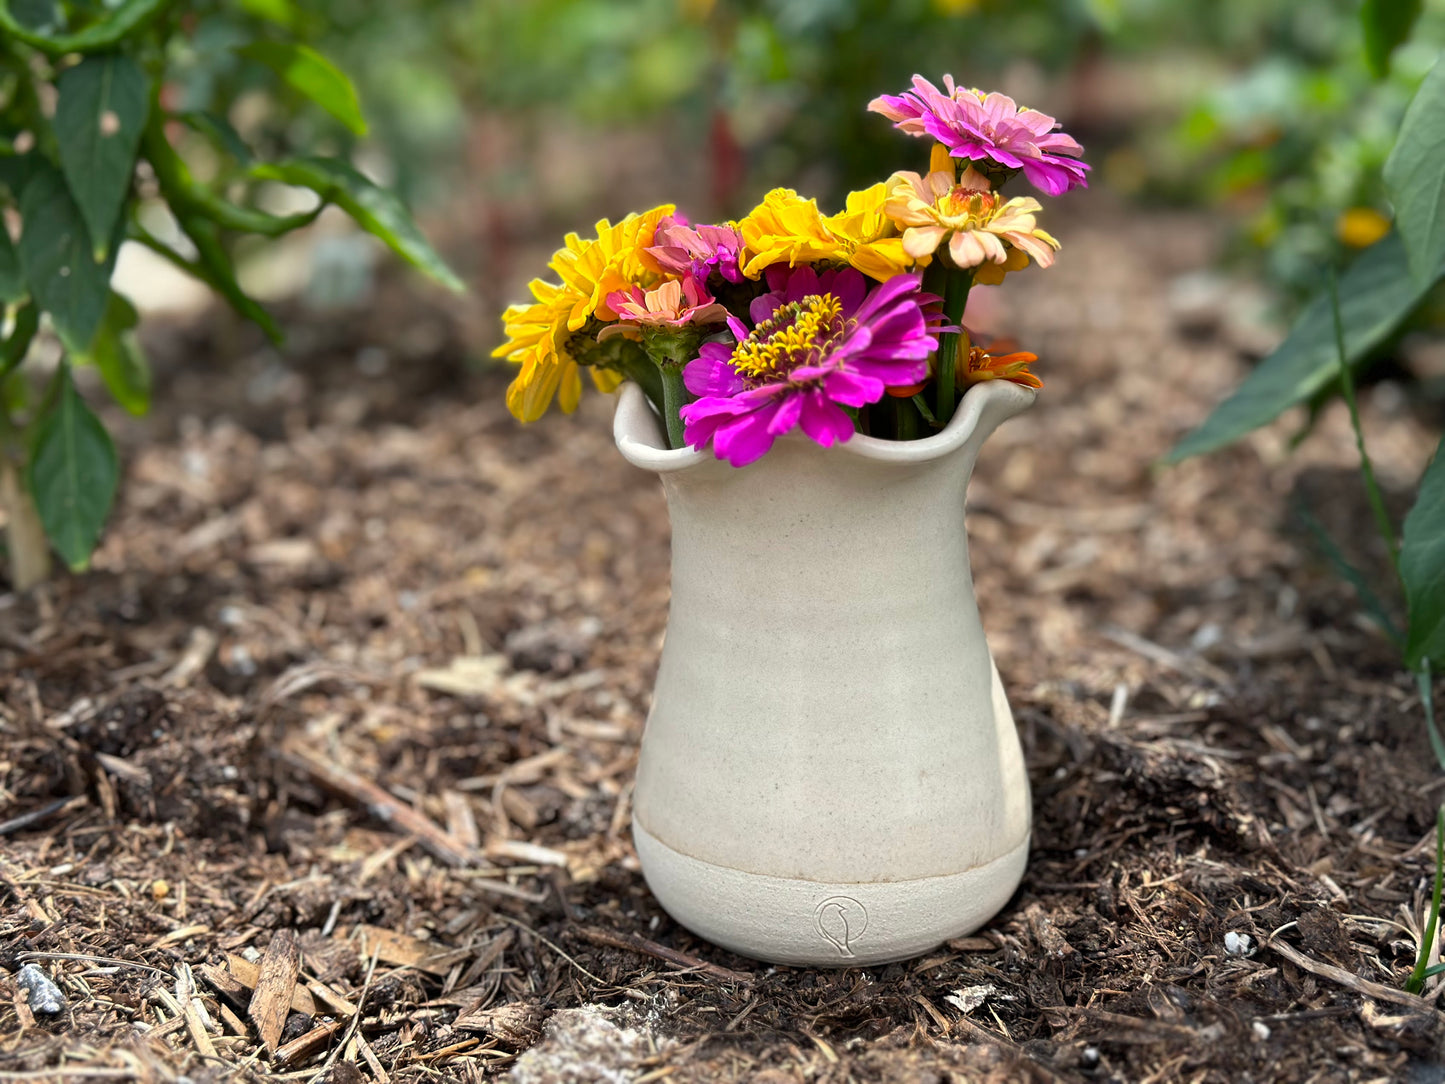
column 792, row 319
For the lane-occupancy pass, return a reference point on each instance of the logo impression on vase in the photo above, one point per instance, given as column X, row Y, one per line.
column 841, row 920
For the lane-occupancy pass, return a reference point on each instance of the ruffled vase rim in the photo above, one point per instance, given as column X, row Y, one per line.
column 639, row 436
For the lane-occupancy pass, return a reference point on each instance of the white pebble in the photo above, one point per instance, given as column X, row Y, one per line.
column 1260, row 1029
column 1237, row 944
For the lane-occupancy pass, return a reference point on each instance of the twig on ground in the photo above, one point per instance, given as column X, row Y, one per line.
column 35, row 816
column 1352, row 981
column 381, row 805
column 633, row 943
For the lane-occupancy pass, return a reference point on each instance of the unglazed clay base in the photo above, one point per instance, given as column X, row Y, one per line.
column 817, row 924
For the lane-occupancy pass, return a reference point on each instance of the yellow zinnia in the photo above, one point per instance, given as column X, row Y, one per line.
column 786, row 228
column 537, row 333
column 874, row 246
column 614, row 260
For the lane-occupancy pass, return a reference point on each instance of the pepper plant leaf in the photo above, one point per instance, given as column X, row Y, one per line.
column 219, row 131
column 376, row 210
column 1415, row 176
column 118, row 357
column 38, row 16
column 18, row 18
column 1377, row 292
column 72, row 475
column 64, row 277
column 1386, row 25
column 312, row 75
column 1422, row 569
column 12, row 278
column 99, row 117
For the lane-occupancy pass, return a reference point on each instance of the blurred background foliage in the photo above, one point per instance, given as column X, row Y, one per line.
column 1267, row 108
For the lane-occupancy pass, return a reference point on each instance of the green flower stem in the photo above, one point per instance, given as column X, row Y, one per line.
column 905, row 418
column 674, row 396
column 955, row 299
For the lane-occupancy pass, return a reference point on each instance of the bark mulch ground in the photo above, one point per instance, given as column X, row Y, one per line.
column 323, row 772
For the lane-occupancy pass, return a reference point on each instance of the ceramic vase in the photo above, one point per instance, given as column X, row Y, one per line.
column 829, row 774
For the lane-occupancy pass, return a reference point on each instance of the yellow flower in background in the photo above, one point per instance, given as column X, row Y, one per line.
column 956, row 7
column 613, row 260
column 786, row 228
column 1361, row 227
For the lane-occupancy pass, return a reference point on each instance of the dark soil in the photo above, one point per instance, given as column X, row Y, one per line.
column 348, row 566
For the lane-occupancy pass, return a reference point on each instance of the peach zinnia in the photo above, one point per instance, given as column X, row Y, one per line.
column 979, row 225
column 673, row 304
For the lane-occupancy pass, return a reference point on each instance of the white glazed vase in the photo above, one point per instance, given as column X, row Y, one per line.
column 830, row 774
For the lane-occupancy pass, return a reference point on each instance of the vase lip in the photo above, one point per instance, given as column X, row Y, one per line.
column 639, row 435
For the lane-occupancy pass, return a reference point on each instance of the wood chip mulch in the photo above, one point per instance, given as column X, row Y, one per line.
column 323, row 772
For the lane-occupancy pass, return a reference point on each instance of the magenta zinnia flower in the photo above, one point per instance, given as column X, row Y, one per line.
column 975, row 125
column 679, row 247
column 819, row 343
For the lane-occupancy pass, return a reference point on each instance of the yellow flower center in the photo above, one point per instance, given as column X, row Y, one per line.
column 798, row 333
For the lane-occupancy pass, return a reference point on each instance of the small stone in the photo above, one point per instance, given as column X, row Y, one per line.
column 41, row 994
column 1089, row 1059
column 1260, row 1029
column 160, row 890
column 1237, row 944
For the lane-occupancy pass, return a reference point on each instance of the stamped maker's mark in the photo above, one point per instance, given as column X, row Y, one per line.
column 840, row 921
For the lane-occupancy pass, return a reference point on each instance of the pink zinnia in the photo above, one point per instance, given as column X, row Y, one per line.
column 819, row 343
column 975, row 125
column 678, row 247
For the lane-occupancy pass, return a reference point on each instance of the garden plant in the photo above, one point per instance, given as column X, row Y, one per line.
column 114, row 127
column 1344, row 329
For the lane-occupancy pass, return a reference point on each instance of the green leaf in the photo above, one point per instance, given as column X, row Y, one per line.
column 1387, row 24
column 118, row 357
column 1377, row 292
column 14, row 348
column 118, row 24
column 1415, row 176
column 311, row 74
column 1422, row 568
column 72, row 475
column 99, row 118
column 374, row 208
column 1374, row 606
column 38, row 16
column 281, row 12
column 12, row 278
column 17, row 169
column 219, row 131
column 55, row 252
